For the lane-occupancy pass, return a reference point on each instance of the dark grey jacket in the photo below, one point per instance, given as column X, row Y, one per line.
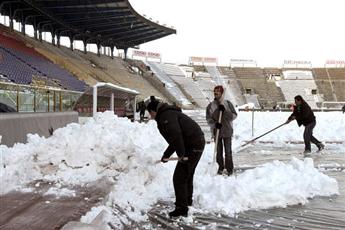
column 212, row 115
column 179, row 130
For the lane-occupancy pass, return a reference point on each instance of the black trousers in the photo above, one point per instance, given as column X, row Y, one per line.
column 142, row 114
column 184, row 174
column 229, row 164
column 308, row 136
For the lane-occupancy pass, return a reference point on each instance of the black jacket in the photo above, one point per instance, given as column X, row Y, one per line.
column 303, row 113
column 141, row 107
column 179, row 130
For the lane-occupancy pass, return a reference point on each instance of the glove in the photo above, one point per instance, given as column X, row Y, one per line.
column 221, row 107
column 163, row 159
column 183, row 160
column 218, row 125
column 290, row 119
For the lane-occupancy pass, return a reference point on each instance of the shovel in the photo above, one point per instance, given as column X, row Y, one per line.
column 213, row 169
column 251, row 141
column 171, row 159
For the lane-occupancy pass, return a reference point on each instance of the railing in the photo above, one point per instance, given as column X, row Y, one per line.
column 26, row 98
column 279, row 110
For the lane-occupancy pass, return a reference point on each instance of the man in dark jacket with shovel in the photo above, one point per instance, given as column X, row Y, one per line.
column 303, row 114
column 186, row 138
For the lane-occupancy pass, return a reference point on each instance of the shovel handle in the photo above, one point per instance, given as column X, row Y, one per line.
column 172, row 159
column 251, row 141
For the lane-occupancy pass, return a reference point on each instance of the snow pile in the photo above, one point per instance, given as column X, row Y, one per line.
column 275, row 184
column 76, row 154
column 112, row 147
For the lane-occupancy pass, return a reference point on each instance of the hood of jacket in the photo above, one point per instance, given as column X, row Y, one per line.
column 162, row 107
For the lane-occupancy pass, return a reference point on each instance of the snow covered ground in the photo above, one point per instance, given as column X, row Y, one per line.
column 126, row 152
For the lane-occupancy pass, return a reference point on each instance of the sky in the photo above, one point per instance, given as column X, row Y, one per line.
column 116, row 148
column 268, row 31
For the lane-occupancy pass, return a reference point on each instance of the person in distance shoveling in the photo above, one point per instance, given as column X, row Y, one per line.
column 303, row 114
column 225, row 128
column 184, row 137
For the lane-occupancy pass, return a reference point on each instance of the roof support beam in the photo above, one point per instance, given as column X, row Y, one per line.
column 93, row 11
column 97, row 19
column 112, row 23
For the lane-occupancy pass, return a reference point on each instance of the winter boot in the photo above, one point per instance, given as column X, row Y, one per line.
column 220, row 171
column 320, row 147
column 306, row 153
column 190, row 202
column 229, row 172
column 179, row 211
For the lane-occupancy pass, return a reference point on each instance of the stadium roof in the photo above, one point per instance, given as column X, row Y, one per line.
column 104, row 22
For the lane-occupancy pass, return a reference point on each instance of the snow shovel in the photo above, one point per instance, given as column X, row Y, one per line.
column 213, row 167
column 217, row 137
column 251, row 141
column 172, row 159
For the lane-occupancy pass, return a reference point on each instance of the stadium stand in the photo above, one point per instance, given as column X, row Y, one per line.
column 339, row 88
column 233, row 89
column 150, row 77
column 255, row 82
column 92, row 68
column 169, row 84
column 194, row 93
column 188, row 87
column 22, row 63
column 337, row 76
column 15, row 71
column 324, row 84
column 40, row 62
column 171, row 69
column 206, row 85
column 272, row 73
column 336, row 73
column 215, row 74
column 300, row 82
column 234, row 84
column 34, row 61
column 291, row 88
column 199, row 68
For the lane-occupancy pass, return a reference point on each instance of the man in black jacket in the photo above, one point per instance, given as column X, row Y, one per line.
column 305, row 116
column 186, row 138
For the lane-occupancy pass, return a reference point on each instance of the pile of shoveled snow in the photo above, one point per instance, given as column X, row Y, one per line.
column 117, row 148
